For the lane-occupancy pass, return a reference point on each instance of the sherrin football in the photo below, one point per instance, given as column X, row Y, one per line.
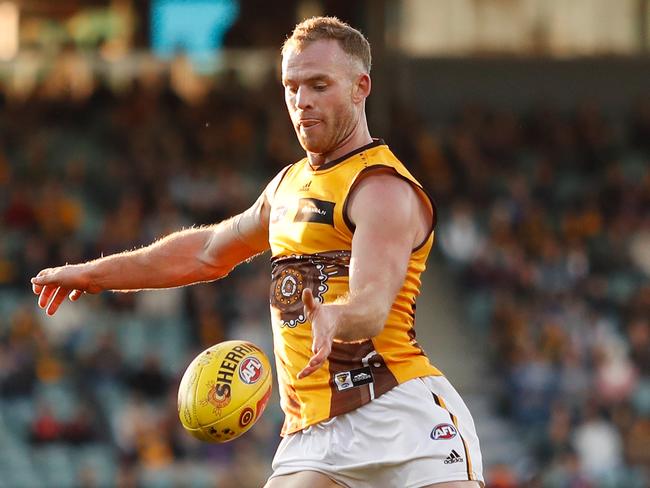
column 224, row 391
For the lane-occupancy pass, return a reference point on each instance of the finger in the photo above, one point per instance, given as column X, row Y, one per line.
column 57, row 299
column 37, row 289
column 321, row 349
column 75, row 295
column 46, row 295
column 307, row 370
column 314, row 363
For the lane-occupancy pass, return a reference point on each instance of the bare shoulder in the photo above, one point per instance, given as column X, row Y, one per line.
column 272, row 188
column 261, row 209
column 383, row 183
column 385, row 192
column 385, row 199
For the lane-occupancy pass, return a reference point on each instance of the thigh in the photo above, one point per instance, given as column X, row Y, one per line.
column 312, row 479
column 417, row 434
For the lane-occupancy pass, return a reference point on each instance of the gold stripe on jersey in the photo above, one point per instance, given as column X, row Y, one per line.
column 454, row 420
column 311, row 240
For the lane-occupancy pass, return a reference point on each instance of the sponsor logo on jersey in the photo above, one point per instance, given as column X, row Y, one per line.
column 443, row 432
column 250, row 370
column 355, row 377
column 306, row 186
column 360, row 377
column 453, row 457
column 278, row 213
column 314, row 210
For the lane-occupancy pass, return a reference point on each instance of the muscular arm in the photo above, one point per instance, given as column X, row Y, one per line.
column 182, row 258
column 390, row 221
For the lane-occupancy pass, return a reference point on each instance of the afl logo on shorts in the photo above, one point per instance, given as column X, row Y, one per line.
column 443, row 432
column 250, row 370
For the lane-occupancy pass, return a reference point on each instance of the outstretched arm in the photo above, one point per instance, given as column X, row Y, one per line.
column 182, row 258
column 391, row 220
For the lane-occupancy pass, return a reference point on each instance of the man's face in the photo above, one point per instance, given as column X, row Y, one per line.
column 319, row 89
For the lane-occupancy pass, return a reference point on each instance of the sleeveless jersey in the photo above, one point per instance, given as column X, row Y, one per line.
column 311, row 239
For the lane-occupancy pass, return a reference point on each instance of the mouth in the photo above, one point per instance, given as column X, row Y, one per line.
column 308, row 123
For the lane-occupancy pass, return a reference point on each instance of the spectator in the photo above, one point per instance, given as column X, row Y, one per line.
column 80, row 429
column 598, row 444
column 148, row 378
column 546, row 229
column 45, row 427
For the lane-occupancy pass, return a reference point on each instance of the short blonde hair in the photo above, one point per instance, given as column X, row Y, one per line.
column 350, row 39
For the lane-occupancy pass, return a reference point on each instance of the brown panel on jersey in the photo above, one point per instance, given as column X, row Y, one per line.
column 291, row 275
column 349, row 382
column 411, row 333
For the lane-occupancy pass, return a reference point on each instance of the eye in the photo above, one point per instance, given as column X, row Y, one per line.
column 320, row 87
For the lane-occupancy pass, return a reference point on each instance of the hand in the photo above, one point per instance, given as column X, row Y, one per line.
column 323, row 320
column 52, row 285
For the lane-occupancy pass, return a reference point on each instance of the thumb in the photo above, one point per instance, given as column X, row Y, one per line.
column 309, row 301
column 44, row 277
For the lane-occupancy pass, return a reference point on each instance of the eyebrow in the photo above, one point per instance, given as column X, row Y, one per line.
column 318, row 77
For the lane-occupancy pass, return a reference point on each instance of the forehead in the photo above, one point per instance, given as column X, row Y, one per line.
column 324, row 56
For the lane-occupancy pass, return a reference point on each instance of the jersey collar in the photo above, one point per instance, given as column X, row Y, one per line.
column 334, row 162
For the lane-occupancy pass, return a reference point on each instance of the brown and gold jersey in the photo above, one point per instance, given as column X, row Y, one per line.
column 311, row 237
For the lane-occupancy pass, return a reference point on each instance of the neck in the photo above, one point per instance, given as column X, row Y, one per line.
column 359, row 137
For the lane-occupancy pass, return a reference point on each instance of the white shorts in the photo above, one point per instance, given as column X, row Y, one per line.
column 414, row 435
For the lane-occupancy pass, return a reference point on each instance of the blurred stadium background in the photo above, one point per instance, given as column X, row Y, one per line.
column 528, row 120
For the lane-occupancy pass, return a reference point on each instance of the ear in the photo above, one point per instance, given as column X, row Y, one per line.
column 361, row 88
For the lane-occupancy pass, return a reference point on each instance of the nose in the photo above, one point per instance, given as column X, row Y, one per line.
column 303, row 100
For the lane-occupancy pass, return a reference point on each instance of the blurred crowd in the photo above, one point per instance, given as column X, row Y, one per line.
column 546, row 224
column 88, row 396
column 544, row 219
